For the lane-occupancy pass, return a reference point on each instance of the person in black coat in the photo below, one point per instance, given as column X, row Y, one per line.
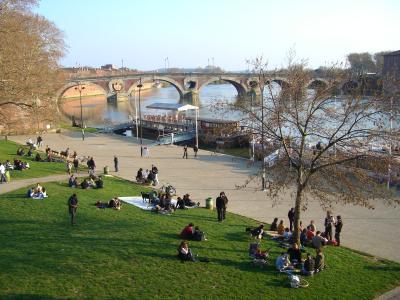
column 338, row 229
column 221, row 203
column 291, row 218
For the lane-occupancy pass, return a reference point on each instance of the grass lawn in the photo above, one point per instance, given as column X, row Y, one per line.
column 8, row 150
column 132, row 254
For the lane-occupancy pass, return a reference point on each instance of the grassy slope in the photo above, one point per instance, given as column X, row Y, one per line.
column 8, row 150
column 132, row 254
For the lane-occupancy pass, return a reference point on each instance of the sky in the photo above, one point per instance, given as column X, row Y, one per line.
column 192, row 32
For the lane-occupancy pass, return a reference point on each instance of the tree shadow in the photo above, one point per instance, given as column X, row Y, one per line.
column 28, row 297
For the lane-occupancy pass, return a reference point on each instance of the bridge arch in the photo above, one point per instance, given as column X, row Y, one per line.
column 281, row 81
column 239, row 86
column 69, row 85
column 317, row 83
column 171, row 81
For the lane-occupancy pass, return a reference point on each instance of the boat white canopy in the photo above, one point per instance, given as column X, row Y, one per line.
column 172, row 106
column 177, row 108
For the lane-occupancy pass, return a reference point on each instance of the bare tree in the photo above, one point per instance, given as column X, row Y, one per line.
column 334, row 149
column 29, row 52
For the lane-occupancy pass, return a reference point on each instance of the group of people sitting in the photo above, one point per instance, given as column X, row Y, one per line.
column 293, row 259
column 91, row 182
column 114, row 203
column 191, row 232
column 147, row 176
column 185, row 202
column 37, row 192
column 18, row 165
column 162, row 202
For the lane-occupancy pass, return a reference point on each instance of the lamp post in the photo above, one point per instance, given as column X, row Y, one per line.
column 80, row 88
column 139, row 86
column 262, row 133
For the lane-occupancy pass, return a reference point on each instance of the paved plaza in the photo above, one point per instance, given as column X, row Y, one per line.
column 372, row 231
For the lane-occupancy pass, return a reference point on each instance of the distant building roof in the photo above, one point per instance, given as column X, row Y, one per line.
column 393, row 53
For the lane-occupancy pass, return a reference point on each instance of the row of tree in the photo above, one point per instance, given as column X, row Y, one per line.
column 362, row 63
column 30, row 49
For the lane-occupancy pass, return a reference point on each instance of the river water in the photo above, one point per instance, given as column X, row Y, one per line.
column 98, row 112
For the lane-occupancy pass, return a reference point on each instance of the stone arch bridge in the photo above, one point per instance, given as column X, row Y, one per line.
column 188, row 85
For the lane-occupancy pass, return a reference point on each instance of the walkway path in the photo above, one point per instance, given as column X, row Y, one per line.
column 372, row 231
column 17, row 184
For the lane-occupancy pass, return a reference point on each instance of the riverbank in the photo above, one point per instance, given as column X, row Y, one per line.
column 218, row 172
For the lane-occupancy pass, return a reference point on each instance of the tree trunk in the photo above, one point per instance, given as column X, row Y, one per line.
column 297, row 207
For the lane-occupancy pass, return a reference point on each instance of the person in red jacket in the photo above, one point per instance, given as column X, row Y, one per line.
column 187, row 232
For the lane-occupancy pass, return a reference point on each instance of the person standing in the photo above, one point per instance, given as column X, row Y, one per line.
column 91, row 165
column 116, row 163
column 72, row 207
column 329, row 223
column 2, row 173
column 39, row 141
column 69, row 167
column 338, row 229
column 185, row 154
column 221, row 203
column 195, row 149
column 291, row 218
column 76, row 164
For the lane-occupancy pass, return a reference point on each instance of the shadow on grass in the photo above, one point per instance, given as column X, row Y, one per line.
column 27, row 297
column 383, row 268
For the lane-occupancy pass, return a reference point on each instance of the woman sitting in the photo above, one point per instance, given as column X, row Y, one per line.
column 99, row 182
column 283, row 263
column 180, row 204
column 139, row 176
column 303, row 237
column 308, row 266
column 274, row 225
column 281, row 228
column 188, row 201
column 73, row 182
column 187, row 232
column 294, row 254
column 184, row 252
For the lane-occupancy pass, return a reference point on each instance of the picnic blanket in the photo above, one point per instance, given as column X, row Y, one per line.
column 138, row 202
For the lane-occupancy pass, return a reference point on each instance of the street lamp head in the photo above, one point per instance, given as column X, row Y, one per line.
column 140, row 85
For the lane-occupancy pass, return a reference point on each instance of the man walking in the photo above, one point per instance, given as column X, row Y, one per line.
column 76, row 164
column 221, row 203
column 72, row 207
column 185, row 154
column 195, row 149
column 291, row 218
column 116, row 163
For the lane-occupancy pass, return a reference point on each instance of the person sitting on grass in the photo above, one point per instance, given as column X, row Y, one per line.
column 184, row 252
column 99, row 182
column 310, row 233
column 30, row 193
column 281, row 228
column 274, row 225
column 91, row 182
column 139, row 176
column 30, row 152
column 180, row 204
column 287, row 235
column 8, row 165
column 308, row 266
column 319, row 261
column 258, row 232
column 39, row 194
column 282, row 263
column 303, row 237
column 318, row 241
column 188, row 201
column 85, row 184
column 199, row 235
column 187, row 232
column 294, row 254
column 73, row 181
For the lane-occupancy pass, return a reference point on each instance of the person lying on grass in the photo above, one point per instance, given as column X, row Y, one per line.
column 115, row 203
